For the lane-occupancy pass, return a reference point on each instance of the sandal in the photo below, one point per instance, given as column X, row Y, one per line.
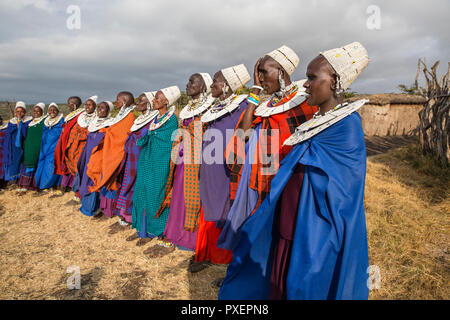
column 158, row 251
column 134, row 236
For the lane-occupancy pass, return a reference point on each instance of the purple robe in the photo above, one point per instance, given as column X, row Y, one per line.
column 129, row 166
column 93, row 139
column 67, row 180
column 174, row 230
column 245, row 201
column 215, row 177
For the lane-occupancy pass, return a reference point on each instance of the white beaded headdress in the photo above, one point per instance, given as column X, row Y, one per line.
column 53, row 105
column 93, row 98
column 150, row 96
column 110, row 105
column 172, row 94
column 348, row 62
column 236, row 76
column 40, row 105
column 208, row 81
column 286, row 57
column 20, row 104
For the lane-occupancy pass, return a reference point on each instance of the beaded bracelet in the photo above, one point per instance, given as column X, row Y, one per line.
column 254, row 96
column 252, row 100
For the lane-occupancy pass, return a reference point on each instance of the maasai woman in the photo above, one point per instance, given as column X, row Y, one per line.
column 32, row 148
column 13, row 142
column 182, row 190
column 3, row 127
column 77, row 139
column 70, row 121
column 214, row 174
column 90, row 201
column 308, row 239
column 271, row 123
column 45, row 177
column 103, row 167
column 128, row 167
column 153, row 168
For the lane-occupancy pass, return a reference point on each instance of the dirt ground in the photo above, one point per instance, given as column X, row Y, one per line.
column 41, row 237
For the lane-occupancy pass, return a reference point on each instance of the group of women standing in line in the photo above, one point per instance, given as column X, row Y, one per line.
column 280, row 227
column 28, row 145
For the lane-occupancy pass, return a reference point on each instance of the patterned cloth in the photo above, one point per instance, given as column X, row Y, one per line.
column 280, row 126
column 27, row 180
column 108, row 202
column 60, row 150
column 75, row 145
column 152, row 176
column 190, row 130
column 129, row 171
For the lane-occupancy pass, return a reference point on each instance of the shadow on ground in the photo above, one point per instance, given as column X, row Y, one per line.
column 377, row 145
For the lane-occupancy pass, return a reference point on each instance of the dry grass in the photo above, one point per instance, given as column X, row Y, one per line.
column 42, row 237
column 407, row 208
column 407, row 211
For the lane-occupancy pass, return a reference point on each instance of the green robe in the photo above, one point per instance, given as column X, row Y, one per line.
column 151, row 179
column 32, row 145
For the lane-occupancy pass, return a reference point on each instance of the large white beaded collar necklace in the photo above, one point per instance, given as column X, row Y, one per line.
column 159, row 121
column 123, row 112
column 37, row 120
column 221, row 108
column 265, row 109
column 196, row 107
column 98, row 123
column 143, row 119
column 319, row 122
column 24, row 119
column 84, row 120
column 73, row 114
column 50, row 122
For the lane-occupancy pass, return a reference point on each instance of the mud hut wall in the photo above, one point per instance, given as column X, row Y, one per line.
column 390, row 119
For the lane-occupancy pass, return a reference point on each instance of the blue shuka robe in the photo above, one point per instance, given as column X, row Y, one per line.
column 329, row 258
column 45, row 177
column 13, row 149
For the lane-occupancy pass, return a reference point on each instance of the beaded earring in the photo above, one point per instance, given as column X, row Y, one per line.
column 224, row 89
column 281, row 81
column 338, row 89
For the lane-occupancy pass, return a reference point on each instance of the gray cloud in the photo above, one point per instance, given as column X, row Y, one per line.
column 146, row 45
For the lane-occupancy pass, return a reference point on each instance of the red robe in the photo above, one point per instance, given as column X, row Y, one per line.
column 60, row 164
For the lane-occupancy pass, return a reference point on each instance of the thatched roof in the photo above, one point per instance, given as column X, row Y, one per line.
column 390, row 98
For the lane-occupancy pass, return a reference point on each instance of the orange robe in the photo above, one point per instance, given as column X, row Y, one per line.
column 108, row 154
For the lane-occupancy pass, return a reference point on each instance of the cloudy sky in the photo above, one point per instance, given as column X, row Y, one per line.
column 138, row 45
